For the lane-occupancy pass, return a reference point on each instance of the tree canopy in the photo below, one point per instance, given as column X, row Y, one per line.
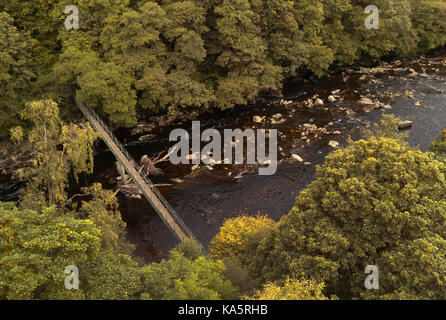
column 376, row 202
column 36, row 247
column 181, row 278
column 176, row 55
column 290, row 289
column 234, row 234
column 47, row 178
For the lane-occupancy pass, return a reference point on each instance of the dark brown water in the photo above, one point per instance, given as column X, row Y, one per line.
column 205, row 198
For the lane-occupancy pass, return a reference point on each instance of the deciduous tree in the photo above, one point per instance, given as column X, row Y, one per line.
column 180, row 278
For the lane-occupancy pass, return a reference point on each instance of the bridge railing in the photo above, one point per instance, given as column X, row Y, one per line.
column 85, row 110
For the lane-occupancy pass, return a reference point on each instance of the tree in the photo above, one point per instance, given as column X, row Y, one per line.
column 190, row 248
column 36, row 247
column 111, row 276
column 107, row 87
column 16, row 72
column 48, row 177
column 438, row 146
column 429, row 21
column 161, row 48
column 367, row 199
column 34, row 18
column 394, row 35
column 239, row 276
column 103, row 210
column 180, row 278
column 400, row 276
column 170, row 56
column 60, row 150
column 232, row 237
column 290, row 289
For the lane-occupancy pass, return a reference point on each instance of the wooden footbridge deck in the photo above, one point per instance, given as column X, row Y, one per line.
column 148, row 189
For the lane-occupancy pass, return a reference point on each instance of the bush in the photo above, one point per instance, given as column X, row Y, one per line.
column 290, row 289
column 180, row 278
column 231, row 240
column 36, row 247
column 438, row 146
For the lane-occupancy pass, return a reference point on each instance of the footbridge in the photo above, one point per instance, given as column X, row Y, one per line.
column 147, row 188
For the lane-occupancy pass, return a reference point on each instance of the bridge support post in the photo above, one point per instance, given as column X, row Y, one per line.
column 121, row 172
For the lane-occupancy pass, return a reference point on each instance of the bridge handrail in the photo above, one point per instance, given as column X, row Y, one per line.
column 138, row 169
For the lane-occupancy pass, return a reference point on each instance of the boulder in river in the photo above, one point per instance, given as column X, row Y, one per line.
column 277, row 119
column 413, row 73
column 297, row 157
column 405, row 124
column 258, row 119
column 409, row 94
column 285, row 102
column 147, row 137
column 333, row 144
column 331, row 99
column 142, row 128
column 365, row 100
column 318, row 102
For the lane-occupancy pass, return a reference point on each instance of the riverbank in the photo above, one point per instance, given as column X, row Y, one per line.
column 313, row 118
column 412, row 89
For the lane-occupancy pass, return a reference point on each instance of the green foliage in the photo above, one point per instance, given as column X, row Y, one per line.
column 176, row 55
column 110, row 276
column 438, row 146
column 234, row 234
column 107, row 86
column 180, row 278
column 400, row 276
column 36, row 247
column 190, row 248
column 103, row 210
column 429, row 21
column 60, row 150
column 34, row 18
column 369, row 204
column 48, row 177
column 239, row 276
column 15, row 72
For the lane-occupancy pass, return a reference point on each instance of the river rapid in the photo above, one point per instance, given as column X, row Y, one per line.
column 204, row 197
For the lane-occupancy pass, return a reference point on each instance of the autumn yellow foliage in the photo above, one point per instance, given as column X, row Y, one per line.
column 231, row 239
column 291, row 289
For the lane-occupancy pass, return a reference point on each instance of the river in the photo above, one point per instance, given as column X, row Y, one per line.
column 205, row 198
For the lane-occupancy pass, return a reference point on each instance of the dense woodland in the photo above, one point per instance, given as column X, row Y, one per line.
column 376, row 201
column 132, row 58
